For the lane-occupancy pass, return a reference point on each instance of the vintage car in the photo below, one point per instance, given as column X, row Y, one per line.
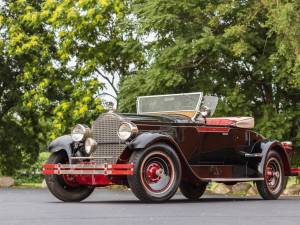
column 171, row 142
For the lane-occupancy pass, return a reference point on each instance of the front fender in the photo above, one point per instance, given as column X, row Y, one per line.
column 62, row 143
column 146, row 139
column 265, row 147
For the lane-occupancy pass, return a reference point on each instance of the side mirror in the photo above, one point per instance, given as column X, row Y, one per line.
column 205, row 111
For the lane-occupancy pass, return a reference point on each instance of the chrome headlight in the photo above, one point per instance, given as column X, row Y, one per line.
column 127, row 130
column 90, row 145
column 80, row 132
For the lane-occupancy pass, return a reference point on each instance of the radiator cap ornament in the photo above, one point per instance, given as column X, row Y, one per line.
column 110, row 106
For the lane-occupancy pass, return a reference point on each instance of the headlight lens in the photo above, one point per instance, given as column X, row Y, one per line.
column 80, row 132
column 90, row 145
column 127, row 130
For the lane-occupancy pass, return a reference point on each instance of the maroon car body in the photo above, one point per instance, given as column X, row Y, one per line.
column 166, row 150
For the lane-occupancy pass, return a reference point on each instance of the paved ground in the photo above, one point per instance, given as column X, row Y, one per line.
column 38, row 207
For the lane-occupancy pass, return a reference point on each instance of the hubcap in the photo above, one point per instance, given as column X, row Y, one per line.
column 70, row 180
column 273, row 175
column 157, row 173
column 154, row 172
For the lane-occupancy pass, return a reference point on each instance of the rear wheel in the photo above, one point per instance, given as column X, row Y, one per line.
column 65, row 187
column 192, row 191
column 274, row 180
column 157, row 173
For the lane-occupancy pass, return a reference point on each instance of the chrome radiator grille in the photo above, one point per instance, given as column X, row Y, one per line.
column 104, row 131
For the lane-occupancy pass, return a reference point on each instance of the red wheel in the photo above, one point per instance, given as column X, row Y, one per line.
column 274, row 180
column 70, row 180
column 273, row 175
column 157, row 173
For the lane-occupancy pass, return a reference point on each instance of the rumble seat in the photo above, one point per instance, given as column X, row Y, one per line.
column 242, row 122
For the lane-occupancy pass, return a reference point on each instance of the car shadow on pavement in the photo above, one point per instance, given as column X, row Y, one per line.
column 205, row 199
column 172, row 201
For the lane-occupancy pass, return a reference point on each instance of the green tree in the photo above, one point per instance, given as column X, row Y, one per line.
column 246, row 52
column 98, row 36
column 53, row 53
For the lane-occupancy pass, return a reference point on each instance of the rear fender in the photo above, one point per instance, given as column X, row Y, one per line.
column 62, row 143
column 266, row 147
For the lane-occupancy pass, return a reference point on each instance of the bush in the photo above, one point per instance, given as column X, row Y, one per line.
column 33, row 173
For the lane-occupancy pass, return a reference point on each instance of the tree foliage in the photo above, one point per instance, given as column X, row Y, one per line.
column 97, row 35
column 52, row 53
column 246, row 52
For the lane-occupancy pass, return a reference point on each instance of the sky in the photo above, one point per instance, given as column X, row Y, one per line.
column 109, row 90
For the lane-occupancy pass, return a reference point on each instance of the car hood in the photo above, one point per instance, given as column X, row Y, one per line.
column 163, row 118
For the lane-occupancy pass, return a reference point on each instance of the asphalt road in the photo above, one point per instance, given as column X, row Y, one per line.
column 38, row 207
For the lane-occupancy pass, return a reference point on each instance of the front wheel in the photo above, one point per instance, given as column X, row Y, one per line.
column 157, row 173
column 65, row 187
column 274, row 180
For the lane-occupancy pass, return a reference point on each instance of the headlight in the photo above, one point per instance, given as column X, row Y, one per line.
column 127, row 130
column 90, row 145
column 80, row 132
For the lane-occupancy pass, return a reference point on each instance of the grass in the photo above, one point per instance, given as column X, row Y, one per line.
column 29, row 185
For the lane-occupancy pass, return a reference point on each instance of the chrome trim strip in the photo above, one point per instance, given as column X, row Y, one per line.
column 75, row 166
column 94, row 157
column 82, row 172
column 253, row 155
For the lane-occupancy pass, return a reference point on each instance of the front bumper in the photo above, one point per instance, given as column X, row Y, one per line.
column 88, row 169
column 91, row 174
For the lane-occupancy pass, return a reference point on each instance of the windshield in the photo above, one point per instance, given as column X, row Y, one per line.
column 169, row 103
column 186, row 104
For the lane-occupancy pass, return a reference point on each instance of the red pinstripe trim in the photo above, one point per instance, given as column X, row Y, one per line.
column 213, row 129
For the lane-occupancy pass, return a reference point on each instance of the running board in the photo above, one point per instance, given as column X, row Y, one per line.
column 224, row 173
column 232, row 179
